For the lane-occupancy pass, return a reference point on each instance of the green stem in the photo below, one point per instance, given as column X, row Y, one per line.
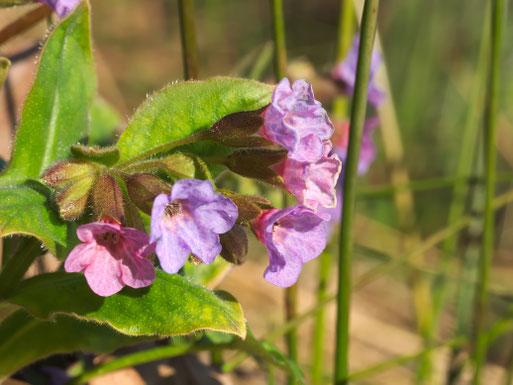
column 291, row 336
column 319, row 323
column 188, row 35
column 141, row 358
column 368, row 31
column 202, row 135
column 280, row 51
column 16, row 267
column 490, row 159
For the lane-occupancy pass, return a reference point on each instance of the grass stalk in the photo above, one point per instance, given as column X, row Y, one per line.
column 368, row 31
column 280, row 51
column 481, row 343
column 280, row 71
column 188, row 36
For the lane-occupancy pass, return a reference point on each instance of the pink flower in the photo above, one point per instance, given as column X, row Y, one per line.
column 111, row 257
column 189, row 220
column 313, row 184
column 293, row 236
column 296, row 121
column 61, row 7
column 345, row 71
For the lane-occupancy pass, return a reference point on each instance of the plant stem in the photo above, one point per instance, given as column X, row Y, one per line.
column 368, row 30
column 24, row 22
column 489, row 218
column 202, row 135
column 188, row 35
column 280, row 51
column 16, row 267
column 318, row 335
column 141, row 358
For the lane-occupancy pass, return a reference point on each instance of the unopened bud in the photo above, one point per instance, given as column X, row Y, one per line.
column 235, row 245
column 249, row 206
column 108, row 199
column 237, row 130
column 63, row 173
column 257, row 164
column 73, row 200
column 144, row 188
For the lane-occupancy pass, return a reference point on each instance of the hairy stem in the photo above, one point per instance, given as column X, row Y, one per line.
column 188, row 35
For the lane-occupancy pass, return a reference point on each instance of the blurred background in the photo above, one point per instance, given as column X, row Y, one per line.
column 431, row 51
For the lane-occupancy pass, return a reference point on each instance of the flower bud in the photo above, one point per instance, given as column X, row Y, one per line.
column 108, row 199
column 256, row 163
column 236, row 130
column 144, row 188
column 107, row 156
column 249, row 206
column 73, row 200
column 63, row 173
column 235, row 245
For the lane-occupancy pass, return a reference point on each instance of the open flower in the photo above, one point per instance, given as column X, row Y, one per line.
column 345, row 71
column 313, row 184
column 367, row 149
column 61, row 7
column 296, row 121
column 293, row 236
column 111, row 257
column 189, row 220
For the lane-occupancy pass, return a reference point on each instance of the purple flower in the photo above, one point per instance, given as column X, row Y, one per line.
column 367, row 149
column 313, row 184
column 296, row 121
column 111, row 257
column 293, row 236
column 345, row 71
column 61, row 7
column 189, row 220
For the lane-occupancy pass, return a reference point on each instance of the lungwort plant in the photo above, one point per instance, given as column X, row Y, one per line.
column 125, row 219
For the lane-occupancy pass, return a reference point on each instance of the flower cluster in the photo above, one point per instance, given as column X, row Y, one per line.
column 192, row 219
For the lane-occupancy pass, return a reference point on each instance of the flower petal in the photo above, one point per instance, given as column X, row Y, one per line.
column 104, row 273
column 219, row 215
column 172, row 252
column 80, row 257
column 194, row 190
column 157, row 212
column 282, row 273
column 87, row 232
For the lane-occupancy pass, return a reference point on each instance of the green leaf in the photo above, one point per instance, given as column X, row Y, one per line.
column 4, row 67
column 104, row 122
column 56, row 111
column 24, row 209
column 171, row 306
column 182, row 109
column 26, row 339
column 207, row 275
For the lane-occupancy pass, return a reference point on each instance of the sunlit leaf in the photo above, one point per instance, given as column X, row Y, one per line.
column 171, row 306
column 182, row 109
column 56, row 111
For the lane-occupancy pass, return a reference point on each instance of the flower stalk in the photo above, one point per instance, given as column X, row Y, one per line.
column 368, row 30
column 492, row 108
column 188, row 35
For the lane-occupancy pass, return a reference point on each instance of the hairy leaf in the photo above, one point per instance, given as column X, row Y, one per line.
column 182, row 109
column 24, row 208
column 55, row 113
column 171, row 306
column 26, row 339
